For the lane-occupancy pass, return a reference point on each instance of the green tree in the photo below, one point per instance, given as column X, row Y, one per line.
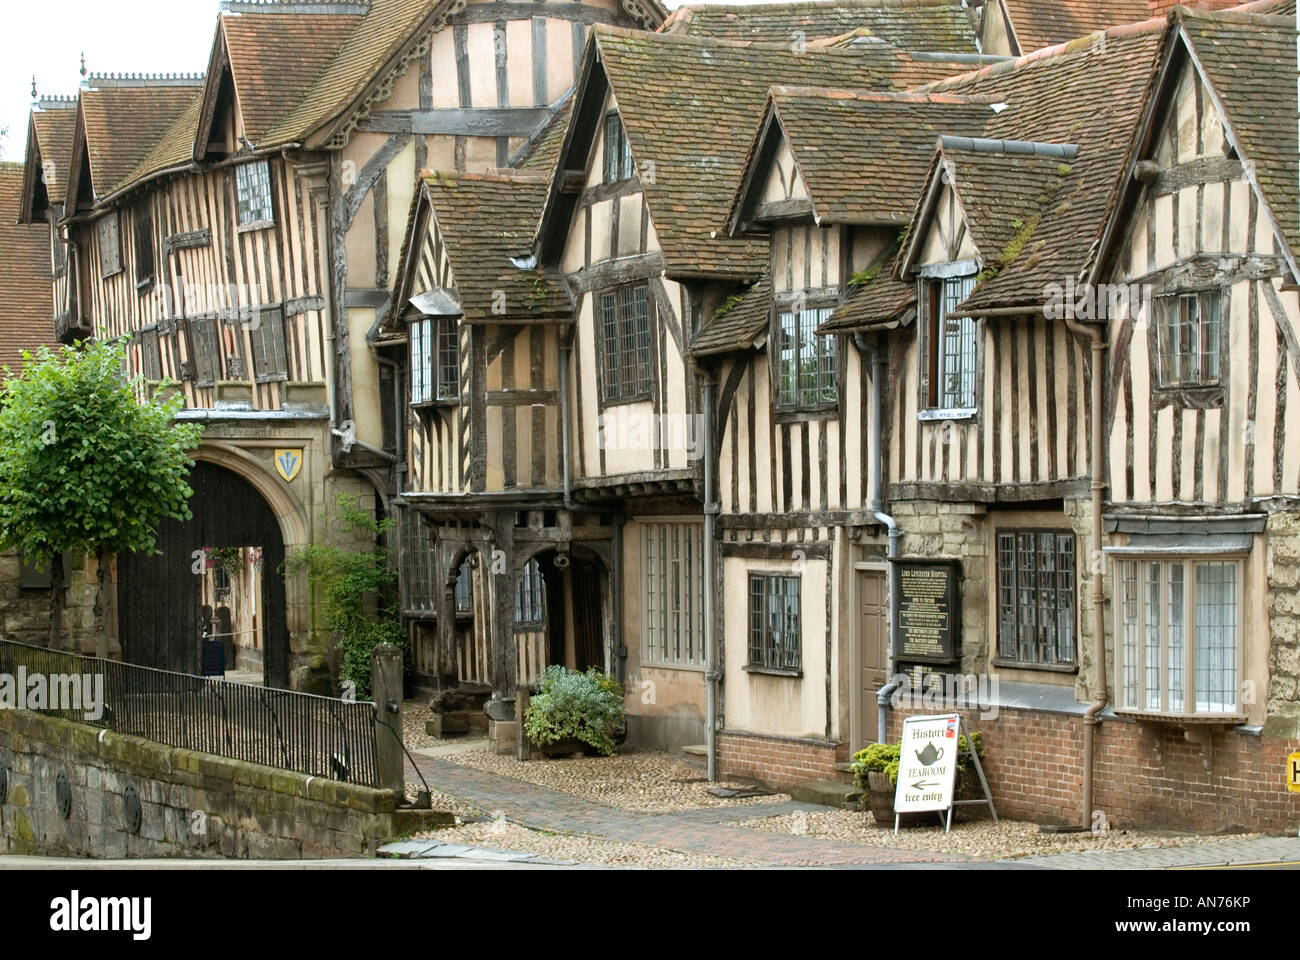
column 86, row 465
column 358, row 591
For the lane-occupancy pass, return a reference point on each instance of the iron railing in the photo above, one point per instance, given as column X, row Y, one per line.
column 318, row 736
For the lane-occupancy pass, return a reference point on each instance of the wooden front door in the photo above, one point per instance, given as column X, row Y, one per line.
column 873, row 648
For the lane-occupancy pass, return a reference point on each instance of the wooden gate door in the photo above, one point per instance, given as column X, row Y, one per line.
column 589, row 640
column 158, row 595
column 873, row 645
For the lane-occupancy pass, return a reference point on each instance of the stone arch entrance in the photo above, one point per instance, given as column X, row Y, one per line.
column 574, row 623
column 159, row 620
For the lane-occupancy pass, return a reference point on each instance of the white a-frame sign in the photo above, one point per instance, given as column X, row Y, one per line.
column 927, row 767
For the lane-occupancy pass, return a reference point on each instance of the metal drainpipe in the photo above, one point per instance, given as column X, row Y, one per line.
column 885, row 693
column 1091, row 715
column 566, row 350
column 711, row 674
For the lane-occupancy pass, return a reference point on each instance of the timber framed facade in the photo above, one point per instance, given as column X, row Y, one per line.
column 662, row 343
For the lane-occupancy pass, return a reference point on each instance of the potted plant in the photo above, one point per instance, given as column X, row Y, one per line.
column 572, row 711
column 875, row 772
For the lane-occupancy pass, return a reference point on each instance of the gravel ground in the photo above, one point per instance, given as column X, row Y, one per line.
column 500, row 835
column 637, row 780
column 978, row 838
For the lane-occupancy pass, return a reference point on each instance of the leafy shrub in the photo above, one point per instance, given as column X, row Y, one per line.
column 885, row 757
column 582, row 706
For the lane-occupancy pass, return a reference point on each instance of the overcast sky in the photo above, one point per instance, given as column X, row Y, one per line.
column 47, row 38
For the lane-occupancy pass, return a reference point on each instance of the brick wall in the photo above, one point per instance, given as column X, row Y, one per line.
column 1145, row 775
column 778, row 761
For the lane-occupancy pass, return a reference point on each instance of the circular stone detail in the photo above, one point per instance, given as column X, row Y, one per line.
column 63, row 794
column 131, row 808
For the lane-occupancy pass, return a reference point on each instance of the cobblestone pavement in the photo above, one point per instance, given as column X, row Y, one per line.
column 709, row 831
column 1262, row 850
column 696, row 831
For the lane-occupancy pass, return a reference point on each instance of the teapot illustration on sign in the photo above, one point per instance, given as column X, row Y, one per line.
column 929, row 755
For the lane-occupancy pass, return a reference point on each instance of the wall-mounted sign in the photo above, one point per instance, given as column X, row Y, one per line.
column 1293, row 773
column 927, row 766
column 926, row 610
column 288, row 463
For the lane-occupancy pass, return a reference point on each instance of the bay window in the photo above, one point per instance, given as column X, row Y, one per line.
column 435, row 360
column 1179, row 641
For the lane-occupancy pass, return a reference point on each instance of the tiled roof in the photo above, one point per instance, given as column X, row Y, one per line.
column 379, row 37
column 930, row 25
column 738, row 324
column 1043, row 23
column 486, row 220
column 276, row 59
column 1091, row 93
column 876, row 301
column 541, row 152
column 862, row 155
column 124, row 121
column 689, row 107
column 26, row 301
column 1250, row 61
column 54, row 129
column 173, row 149
column 1011, row 201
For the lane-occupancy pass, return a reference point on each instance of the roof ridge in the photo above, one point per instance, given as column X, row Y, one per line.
column 874, row 96
column 1037, row 148
column 1233, row 15
column 867, row 4
column 606, row 29
column 491, row 175
column 56, row 101
column 102, row 80
column 1089, row 41
column 317, row 7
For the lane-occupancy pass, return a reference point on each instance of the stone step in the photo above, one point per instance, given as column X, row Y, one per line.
column 828, row 793
column 696, row 750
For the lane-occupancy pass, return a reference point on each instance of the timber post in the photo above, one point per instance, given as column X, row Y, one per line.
column 386, row 689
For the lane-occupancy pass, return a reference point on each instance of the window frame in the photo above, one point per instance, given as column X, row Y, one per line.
column 270, row 325
column 415, row 566
column 825, row 359
column 150, row 353
column 530, row 611
column 434, row 379
column 683, row 625
column 611, row 365
column 146, row 264
column 619, row 164
column 933, row 301
column 112, row 218
column 791, row 585
column 463, row 591
column 244, row 184
column 207, row 364
column 1141, row 605
column 1203, row 297
column 1011, row 654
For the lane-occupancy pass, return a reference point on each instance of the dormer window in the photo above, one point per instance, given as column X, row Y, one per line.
column 948, row 342
column 618, row 152
column 253, row 183
column 435, row 360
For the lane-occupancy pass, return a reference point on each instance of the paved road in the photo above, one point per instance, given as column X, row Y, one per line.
column 704, row 831
column 707, row 831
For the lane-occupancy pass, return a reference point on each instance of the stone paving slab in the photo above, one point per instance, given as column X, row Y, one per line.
column 1260, row 850
column 432, row 850
column 540, row 808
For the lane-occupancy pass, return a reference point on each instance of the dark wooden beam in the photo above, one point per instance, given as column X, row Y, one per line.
column 465, row 121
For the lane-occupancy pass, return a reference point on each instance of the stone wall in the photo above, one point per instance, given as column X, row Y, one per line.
column 25, row 613
column 192, row 804
column 1283, row 564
